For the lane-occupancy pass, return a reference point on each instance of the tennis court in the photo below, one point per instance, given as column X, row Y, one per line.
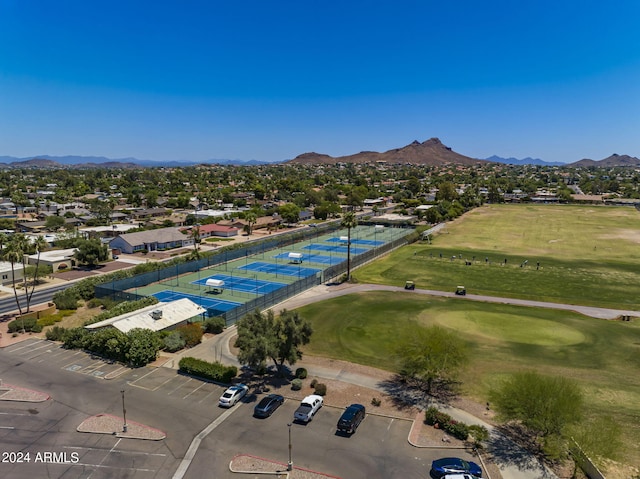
column 214, row 307
column 363, row 242
column 315, row 258
column 246, row 285
column 283, row 269
column 334, row 249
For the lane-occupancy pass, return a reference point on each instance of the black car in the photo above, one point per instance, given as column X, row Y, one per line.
column 351, row 418
column 267, row 405
column 454, row 465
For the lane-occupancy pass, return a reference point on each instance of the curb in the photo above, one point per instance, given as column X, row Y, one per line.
column 278, row 473
column 109, row 424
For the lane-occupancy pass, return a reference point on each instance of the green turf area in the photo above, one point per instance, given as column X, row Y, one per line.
column 575, row 254
column 603, row 356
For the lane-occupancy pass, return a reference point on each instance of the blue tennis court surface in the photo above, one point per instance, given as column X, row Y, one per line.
column 315, row 258
column 363, row 242
column 335, row 249
column 246, row 285
column 214, row 307
column 283, row 269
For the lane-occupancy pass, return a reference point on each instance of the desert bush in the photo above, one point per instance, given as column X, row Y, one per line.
column 479, row 434
column 321, row 389
column 214, row 325
column 66, row 299
column 26, row 324
column 296, row 384
column 191, row 333
column 56, row 333
column 173, row 342
column 314, row 381
column 459, row 430
column 301, row 373
column 375, row 402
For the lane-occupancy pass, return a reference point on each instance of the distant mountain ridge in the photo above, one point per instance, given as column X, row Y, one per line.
column 608, row 162
column 431, row 152
column 71, row 161
column 524, row 161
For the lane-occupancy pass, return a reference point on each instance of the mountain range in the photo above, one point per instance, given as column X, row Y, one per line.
column 431, row 152
column 47, row 161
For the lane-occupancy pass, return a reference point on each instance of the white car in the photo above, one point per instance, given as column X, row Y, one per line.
column 232, row 395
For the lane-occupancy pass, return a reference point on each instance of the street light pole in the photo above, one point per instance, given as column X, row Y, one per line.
column 290, row 463
column 124, row 413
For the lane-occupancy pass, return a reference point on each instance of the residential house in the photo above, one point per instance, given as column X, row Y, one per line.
column 152, row 240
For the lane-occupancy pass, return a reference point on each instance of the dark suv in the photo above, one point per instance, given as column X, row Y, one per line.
column 351, row 418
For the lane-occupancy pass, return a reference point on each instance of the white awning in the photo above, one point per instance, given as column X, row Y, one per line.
column 216, row 283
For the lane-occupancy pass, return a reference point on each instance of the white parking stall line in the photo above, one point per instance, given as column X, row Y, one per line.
column 119, row 451
column 179, row 386
column 23, row 345
column 196, row 389
column 206, row 396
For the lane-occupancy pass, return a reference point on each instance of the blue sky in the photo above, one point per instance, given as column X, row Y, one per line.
column 198, row 80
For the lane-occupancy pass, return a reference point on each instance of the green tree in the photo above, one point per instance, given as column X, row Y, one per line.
column 349, row 220
column 91, row 251
column 545, row 405
column 262, row 336
column 144, row 345
column 290, row 212
column 432, row 357
column 54, row 222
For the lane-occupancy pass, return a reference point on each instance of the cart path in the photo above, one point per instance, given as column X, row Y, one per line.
column 322, row 292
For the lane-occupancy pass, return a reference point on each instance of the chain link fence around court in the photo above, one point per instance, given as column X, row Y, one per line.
column 125, row 289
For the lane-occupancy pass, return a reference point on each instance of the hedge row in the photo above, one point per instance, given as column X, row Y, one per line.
column 214, row 371
column 457, row 429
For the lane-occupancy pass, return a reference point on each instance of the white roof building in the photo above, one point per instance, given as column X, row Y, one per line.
column 155, row 317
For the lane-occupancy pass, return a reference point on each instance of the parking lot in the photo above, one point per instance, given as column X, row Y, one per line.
column 181, row 406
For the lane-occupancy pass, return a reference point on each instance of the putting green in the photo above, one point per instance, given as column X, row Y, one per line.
column 511, row 328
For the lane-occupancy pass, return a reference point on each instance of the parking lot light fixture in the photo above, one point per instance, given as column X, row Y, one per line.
column 290, row 463
column 124, row 413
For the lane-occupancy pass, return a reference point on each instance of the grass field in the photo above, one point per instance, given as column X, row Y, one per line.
column 601, row 355
column 586, row 255
column 574, row 254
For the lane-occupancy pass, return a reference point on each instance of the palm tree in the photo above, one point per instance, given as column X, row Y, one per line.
column 40, row 244
column 349, row 220
column 13, row 255
column 250, row 217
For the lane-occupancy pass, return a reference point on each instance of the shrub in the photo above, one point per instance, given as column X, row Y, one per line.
column 173, row 342
column 56, row 333
column 433, row 416
column 204, row 369
column 479, row 434
column 459, row 430
column 376, row 402
column 75, row 338
column 94, row 303
column 214, row 325
column 301, row 373
column 26, row 324
column 54, row 318
column 314, row 381
column 321, row 389
column 191, row 333
column 66, row 299
column 296, row 384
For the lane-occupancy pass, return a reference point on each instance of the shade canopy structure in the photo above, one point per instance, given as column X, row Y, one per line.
column 215, row 283
column 295, row 257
